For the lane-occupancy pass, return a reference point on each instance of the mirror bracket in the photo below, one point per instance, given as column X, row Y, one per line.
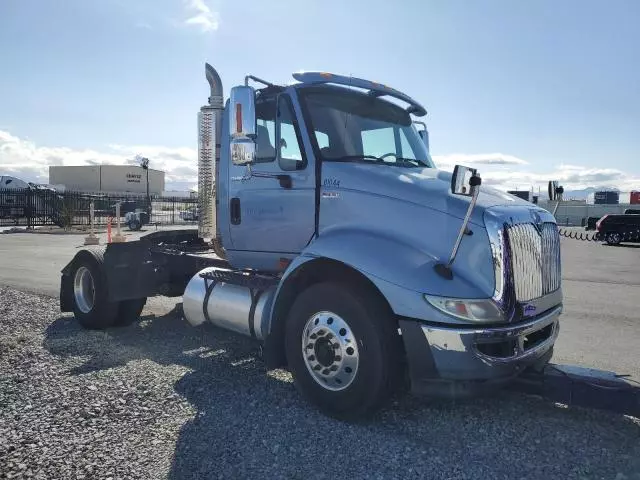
column 458, row 187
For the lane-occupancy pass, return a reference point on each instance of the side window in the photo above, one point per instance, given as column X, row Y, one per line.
column 322, row 138
column 290, row 154
column 265, row 130
column 376, row 142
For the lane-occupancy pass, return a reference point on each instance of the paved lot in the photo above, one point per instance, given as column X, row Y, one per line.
column 600, row 325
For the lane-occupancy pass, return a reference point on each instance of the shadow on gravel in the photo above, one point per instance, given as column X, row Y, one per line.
column 251, row 423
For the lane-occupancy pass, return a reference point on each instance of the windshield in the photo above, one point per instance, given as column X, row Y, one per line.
column 351, row 126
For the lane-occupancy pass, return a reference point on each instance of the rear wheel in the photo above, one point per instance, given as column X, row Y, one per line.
column 614, row 238
column 343, row 349
column 91, row 306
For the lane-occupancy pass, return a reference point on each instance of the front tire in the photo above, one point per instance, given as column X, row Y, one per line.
column 343, row 349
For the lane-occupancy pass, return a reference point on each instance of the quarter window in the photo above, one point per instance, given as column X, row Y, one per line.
column 290, row 152
column 265, row 130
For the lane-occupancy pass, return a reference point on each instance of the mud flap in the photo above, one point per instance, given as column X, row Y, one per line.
column 66, row 292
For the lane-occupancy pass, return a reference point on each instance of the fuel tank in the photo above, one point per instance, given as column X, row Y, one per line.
column 238, row 308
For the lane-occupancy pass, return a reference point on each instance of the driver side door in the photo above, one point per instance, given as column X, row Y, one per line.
column 267, row 218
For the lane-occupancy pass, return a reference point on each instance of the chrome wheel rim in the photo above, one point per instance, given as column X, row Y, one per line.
column 330, row 351
column 84, row 290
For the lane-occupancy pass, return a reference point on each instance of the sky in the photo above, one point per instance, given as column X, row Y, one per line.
column 526, row 91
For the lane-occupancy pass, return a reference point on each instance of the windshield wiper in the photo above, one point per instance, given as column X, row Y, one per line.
column 412, row 161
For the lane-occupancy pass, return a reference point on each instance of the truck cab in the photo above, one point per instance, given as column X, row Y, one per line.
column 327, row 233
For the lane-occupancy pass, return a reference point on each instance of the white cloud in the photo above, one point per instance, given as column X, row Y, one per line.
column 200, row 15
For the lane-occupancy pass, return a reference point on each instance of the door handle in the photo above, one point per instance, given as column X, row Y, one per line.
column 235, row 211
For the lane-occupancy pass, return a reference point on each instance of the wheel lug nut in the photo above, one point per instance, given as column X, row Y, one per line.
column 317, row 367
column 334, row 368
column 311, row 358
column 313, row 336
column 325, row 371
column 310, row 346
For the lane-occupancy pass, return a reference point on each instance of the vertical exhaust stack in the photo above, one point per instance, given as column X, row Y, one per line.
column 209, row 132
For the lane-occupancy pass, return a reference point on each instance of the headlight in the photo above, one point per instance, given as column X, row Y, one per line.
column 471, row 310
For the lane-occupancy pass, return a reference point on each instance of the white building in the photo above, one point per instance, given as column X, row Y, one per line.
column 107, row 178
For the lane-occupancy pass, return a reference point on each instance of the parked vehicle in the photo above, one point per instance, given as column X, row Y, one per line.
column 20, row 199
column 189, row 215
column 332, row 238
column 615, row 229
column 136, row 219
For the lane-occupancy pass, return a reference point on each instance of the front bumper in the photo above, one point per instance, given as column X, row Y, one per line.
column 460, row 361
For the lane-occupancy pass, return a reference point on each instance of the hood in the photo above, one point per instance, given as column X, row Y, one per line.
column 428, row 187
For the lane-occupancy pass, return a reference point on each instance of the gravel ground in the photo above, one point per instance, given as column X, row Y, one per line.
column 161, row 399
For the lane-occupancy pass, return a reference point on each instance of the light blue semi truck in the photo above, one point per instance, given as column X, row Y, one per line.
column 327, row 233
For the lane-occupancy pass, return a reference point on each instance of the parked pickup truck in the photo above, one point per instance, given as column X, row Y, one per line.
column 326, row 232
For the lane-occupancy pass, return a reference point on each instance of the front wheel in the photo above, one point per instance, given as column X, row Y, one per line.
column 343, row 349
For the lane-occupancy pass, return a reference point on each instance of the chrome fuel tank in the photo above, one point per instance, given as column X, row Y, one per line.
column 232, row 307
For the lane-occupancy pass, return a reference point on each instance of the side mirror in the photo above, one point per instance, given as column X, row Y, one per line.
column 242, row 111
column 243, row 151
column 242, row 125
column 465, row 181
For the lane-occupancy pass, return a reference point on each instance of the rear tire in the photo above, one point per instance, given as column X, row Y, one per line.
column 129, row 311
column 354, row 362
column 91, row 306
column 614, row 238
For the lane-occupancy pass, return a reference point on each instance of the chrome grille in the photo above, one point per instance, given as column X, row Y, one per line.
column 535, row 260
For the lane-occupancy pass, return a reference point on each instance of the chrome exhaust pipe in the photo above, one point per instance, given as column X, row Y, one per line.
column 209, row 133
